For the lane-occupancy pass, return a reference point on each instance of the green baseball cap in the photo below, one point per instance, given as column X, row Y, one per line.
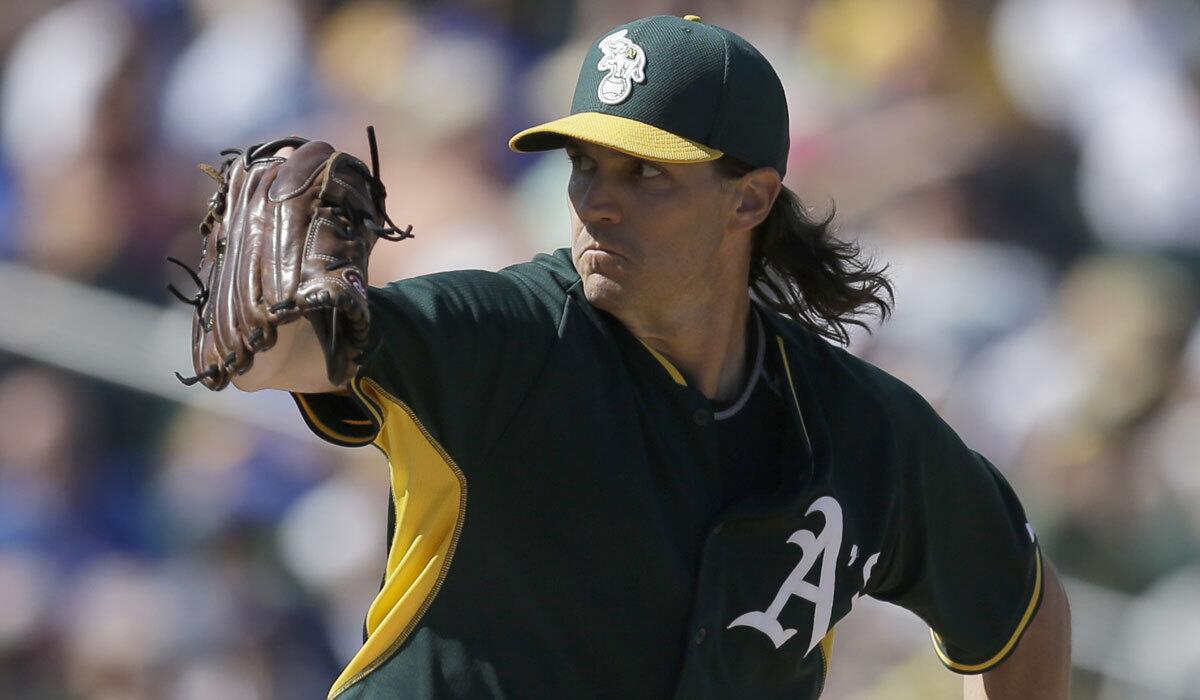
column 674, row 89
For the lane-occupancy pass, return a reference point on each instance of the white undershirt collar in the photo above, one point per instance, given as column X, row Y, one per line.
column 753, row 379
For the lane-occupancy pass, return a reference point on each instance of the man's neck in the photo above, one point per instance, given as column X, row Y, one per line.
column 708, row 345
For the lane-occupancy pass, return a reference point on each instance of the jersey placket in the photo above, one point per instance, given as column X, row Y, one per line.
column 705, row 672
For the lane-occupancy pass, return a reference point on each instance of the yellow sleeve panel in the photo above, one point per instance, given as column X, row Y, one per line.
column 430, row 494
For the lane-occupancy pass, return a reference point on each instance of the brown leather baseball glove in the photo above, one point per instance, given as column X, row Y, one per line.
column 285, row 238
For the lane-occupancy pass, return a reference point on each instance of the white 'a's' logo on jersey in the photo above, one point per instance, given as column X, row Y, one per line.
column 819, row 549
column 625, row 62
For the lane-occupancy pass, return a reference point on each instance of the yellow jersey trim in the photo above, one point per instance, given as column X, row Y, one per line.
column 375, row 409
column 826, row 647
column 939, row 645
column 325, row 428
column 791, row 382
column 429, row 493
column 662, row 360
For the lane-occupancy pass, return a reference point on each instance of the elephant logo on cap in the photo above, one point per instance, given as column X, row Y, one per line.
column 625, row 62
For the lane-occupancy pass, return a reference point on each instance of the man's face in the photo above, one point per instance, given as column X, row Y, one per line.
column 647, row 238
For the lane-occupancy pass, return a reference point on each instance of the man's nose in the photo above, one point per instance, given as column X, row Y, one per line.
column 595, row 200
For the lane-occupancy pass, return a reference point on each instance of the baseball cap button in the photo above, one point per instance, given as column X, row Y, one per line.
column 692, row 18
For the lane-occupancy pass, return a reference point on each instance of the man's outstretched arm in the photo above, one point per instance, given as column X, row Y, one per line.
column 1040, row 666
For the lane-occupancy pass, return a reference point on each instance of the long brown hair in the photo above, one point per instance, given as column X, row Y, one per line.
column 799, row 268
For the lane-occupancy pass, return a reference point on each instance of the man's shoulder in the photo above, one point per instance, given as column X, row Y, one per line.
column 840, row 378
column 543, row 281
column 550, row 273
column 556, row 264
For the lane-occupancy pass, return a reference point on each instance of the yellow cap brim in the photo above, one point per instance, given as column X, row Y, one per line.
column 628, row 136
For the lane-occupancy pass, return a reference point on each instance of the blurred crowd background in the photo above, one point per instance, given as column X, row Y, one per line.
column 1030, row 169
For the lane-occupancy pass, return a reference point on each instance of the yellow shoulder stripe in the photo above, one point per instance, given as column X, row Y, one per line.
column 939, row 645
column 788, row 368
column 662, row 360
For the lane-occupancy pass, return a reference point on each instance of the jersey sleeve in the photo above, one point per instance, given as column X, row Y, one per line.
column 959, row 551
column 457, row 349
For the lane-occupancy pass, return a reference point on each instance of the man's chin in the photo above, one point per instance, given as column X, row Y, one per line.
column 603, row 292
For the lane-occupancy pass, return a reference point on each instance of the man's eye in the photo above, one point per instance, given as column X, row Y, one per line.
column 645, row 169
column 579, row 162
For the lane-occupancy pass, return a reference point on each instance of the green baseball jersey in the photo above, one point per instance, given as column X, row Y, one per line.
column 557, row 527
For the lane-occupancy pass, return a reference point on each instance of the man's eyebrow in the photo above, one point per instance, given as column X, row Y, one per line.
column 575, row 147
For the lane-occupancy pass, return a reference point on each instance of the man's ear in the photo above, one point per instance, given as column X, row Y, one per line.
column 755, row 195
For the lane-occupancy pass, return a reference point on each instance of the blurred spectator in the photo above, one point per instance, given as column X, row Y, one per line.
column 1127, row 100
column 1026, row 167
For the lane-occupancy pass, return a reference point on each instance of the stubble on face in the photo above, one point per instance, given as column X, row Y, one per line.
column 608, row 276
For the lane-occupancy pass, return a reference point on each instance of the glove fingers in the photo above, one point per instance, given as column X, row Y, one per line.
column 297, row 222
column 269, row 275
column 230, row 296
column 300, row 171
column 205, row 358
column 224, row 346
column 255, row 325
column 258, row 330
column 202, row 353
column 290, row 200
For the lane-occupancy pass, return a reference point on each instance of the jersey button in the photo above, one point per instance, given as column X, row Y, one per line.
column 701, row 416
column 700, row 635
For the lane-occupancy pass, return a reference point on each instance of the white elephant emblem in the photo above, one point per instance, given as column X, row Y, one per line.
column 625, row 62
